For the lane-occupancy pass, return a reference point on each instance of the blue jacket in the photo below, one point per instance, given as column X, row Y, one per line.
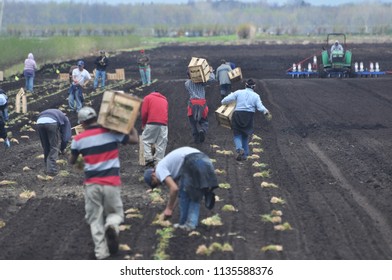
column 63, row 122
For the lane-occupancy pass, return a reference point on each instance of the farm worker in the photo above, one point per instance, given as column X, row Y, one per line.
column 80, row 78
column 70, row 73
column 101, row 63
column 190, row 175
column 143, row 62
column 154, row 113
column 197, row 107
column 4, row 118
column 247, row 102
column 222, row 75
column 102, row 183
column 52, row 125
column 336, row 47
column 232, row 65
column 4, row 104
column 30, row 66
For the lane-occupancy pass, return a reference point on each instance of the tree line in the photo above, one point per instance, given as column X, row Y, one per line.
column 205, row 18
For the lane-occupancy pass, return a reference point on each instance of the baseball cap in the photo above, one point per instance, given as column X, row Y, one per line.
column 86, row 113
column 80, row 63
column 142, row 51
column 148, row 177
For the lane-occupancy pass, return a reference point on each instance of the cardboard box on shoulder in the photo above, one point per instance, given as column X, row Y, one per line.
column 224, row 114
column 119, row 111
column 235, row 75
column 199, row 70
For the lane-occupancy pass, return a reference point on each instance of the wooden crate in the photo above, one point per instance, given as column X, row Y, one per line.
column 141, row 151
column 118, row 75
column 199, row 70
column 119, row 111
column 235, row 75
column 64, row 76
column 21, row 101
column 224, row 113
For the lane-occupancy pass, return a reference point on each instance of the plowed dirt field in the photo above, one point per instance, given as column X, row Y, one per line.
column 328, row 150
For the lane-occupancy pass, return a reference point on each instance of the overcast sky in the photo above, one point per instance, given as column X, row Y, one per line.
column 313, row 2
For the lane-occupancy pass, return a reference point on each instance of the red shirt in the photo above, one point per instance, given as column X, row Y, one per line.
column 99, row 148
column 155, row 109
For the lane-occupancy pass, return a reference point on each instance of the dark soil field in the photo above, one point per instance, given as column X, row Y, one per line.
column 327, row 150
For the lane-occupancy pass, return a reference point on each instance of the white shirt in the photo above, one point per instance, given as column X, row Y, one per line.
column 171, row 164
column 80, row 77
column 3, row 99
column 336, row 47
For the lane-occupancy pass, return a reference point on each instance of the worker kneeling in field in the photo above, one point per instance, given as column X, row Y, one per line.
column 103, row 204
column 247, row 102
column 189, row 174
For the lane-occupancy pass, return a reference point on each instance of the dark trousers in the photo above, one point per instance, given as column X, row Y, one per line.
column 197, row 126
column 49, row 135
column 3, row 132
column 225, row 90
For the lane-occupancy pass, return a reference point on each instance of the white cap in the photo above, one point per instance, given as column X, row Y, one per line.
column 86, row 113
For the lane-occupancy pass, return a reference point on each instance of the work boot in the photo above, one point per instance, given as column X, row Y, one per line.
column 7, row 143
column 184, row 227
column 112, row 240
column 202, row 136
column 240, row 154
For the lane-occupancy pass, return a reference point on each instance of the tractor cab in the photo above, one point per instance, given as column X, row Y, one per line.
column 335, row 58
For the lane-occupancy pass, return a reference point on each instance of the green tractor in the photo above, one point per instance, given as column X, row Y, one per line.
column 336, row 60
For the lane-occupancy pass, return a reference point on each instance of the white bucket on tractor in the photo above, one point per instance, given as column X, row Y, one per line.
column 361, row 67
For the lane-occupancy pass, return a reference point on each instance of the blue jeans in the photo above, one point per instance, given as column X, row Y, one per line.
column 29, row 83
column 145, row 74
column 241, row 141
column 189, row 210
column 102, row 75
column 225, row 90
column 3, row 131
column 4, row 112
column 75, row 95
